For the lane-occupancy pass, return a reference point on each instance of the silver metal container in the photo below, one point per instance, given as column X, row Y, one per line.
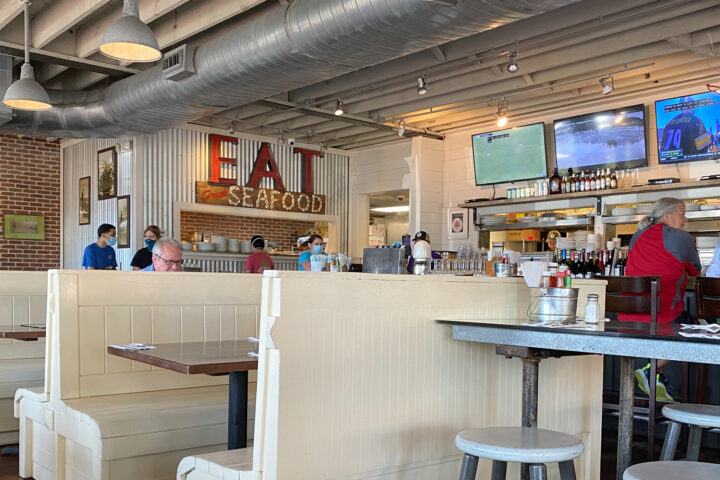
column 553, row 304
column 503, row 269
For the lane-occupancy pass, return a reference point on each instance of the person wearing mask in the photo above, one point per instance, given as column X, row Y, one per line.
column 100, row 255
column 662, row 247
column 421, row 236
column 313, row 246
column 143, row 257
column 166, row 256
column 258, row 261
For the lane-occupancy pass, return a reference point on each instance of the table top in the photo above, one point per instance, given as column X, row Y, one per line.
column 636, row 339
column 196, row 357
column 18, row 332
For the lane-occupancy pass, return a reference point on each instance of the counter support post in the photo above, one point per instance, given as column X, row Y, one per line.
column 625, row 417
column 529, row 401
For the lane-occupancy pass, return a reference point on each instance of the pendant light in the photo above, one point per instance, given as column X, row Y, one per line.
column 130, row 39
column 26, row 93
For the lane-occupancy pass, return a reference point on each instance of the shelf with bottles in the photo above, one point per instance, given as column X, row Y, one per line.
column 590, row 263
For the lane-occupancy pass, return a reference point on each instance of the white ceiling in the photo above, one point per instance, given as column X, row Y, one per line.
column 645, row 45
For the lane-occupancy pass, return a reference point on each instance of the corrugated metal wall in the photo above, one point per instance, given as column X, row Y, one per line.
column 175, row 159
column 168, row 165
column 80, row 160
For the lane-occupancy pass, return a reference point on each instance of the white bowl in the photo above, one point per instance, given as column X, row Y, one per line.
column 187, row 246
column 623, row 211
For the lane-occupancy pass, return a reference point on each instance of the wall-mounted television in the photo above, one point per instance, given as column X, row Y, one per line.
column 510, row 155
column 611, row 138
column 687, row 127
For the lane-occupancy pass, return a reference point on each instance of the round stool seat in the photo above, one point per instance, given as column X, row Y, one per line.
column 519, row 444
column 672, row 471
column 692, row 414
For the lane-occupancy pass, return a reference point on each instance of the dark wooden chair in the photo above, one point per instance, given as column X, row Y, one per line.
column 707, row 304
column 637, row 295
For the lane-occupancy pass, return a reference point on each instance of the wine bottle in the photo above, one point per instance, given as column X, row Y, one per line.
column 613, row 180
column 555, row 182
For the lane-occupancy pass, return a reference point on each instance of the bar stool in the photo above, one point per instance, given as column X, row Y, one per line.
column 529, row 445
column 673, row 471
column 697, row 417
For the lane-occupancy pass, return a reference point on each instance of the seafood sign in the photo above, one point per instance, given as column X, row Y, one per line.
column 265, row 198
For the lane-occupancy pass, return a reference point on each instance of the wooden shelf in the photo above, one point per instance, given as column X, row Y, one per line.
column 568, row 222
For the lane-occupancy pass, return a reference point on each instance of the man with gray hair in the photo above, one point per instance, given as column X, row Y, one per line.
column 166, row 256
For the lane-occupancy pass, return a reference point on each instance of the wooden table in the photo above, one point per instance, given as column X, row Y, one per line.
column 628, row 340
column 18, row 332
column 209, row 358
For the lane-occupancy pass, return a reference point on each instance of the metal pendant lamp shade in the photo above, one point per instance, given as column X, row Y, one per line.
column 129, row 38
column 26, row 93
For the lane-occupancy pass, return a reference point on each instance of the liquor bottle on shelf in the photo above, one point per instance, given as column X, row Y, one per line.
column 601, row 176
column 587, row 181
column 608, row 179
column 563, row 185
column 593, row 181
column 555, row 182
column 613, row 180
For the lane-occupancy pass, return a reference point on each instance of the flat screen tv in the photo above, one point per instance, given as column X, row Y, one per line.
column 510, row 155
column 611, row 138
column 687, row 127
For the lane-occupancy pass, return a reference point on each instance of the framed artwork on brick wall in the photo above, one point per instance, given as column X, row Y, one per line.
column 123, row 216
column 25, row 227
column 84, row 201
column 107, row 173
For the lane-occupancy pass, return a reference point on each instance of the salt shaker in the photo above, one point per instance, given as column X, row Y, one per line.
column 592, row 310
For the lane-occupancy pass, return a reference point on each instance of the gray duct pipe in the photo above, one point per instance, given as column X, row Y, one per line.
column 278, row 49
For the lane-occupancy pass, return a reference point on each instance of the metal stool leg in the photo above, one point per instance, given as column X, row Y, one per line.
column 671, row 440
column 469, row 467
column 499, row 470
column 538, row 471
column 693, row 451
column 567, row 470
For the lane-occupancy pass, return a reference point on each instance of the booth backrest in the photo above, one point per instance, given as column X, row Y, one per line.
column 94, row 309
column 358, row 380
column 23, row 299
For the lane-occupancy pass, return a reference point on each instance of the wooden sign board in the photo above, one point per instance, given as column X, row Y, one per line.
column 264, row 198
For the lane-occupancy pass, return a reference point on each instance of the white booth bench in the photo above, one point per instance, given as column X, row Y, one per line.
column 357, row 380
column 22, row 301
column 111, row 418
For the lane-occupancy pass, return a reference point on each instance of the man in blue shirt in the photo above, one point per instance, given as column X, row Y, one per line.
column 100, row 255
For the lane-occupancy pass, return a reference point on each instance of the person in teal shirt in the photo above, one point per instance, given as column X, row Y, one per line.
column 313, row 246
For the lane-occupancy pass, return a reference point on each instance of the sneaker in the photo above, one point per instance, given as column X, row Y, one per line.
column 662, row 389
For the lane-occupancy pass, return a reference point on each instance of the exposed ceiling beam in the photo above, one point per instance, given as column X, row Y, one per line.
column 9, row 10
column 16, row 50
column 59, row 17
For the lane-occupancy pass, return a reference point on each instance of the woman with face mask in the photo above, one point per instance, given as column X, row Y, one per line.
column 314, row 246
column 143, row 257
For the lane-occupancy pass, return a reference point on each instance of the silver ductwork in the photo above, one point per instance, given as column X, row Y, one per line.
column 277, row 49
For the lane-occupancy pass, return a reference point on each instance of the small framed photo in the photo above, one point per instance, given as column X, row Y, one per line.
column 458, row 223
column 123, row 216
column 107, row 173
column 84, row 201
column 24, row 227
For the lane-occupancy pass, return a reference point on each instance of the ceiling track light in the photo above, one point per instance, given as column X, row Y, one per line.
column 231, row 128
column 281, row 138
column 501, row 114
column 339, row 108
column 512, row 65
column 607, row 87
column 129, row 38
column 26, row 93
column 401, row 128
column 422, row 87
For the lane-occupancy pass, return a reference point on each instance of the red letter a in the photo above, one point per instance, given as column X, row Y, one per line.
column 265, row 167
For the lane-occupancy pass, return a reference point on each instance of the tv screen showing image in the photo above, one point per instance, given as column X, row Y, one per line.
column 611, row 138
column 510, row 155
column 687, row 127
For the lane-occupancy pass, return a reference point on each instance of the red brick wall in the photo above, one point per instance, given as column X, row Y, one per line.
column 30, row 185
column 283, row 232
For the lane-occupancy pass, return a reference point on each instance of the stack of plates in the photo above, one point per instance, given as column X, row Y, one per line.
column 706, row 242
column 643, row 209
column 580, row 238
column 565, row 243
column 493, row 220
column 233, row 245
column 618, row 212
column 528, row 219
column 692, row 207
column 582, row 215
column 709, row 207
column 187, row 246
column 205, row 246
column 220, row 243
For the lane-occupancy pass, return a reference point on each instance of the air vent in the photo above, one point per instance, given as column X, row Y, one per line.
column 178, row 63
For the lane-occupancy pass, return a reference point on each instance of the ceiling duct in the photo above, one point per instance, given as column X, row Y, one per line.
column 277, row 49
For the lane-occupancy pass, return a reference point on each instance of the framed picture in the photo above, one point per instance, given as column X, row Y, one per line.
column 84, row 201
column 107, row 173
column 458, row 223
column 25, row 227
column 123, row 215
